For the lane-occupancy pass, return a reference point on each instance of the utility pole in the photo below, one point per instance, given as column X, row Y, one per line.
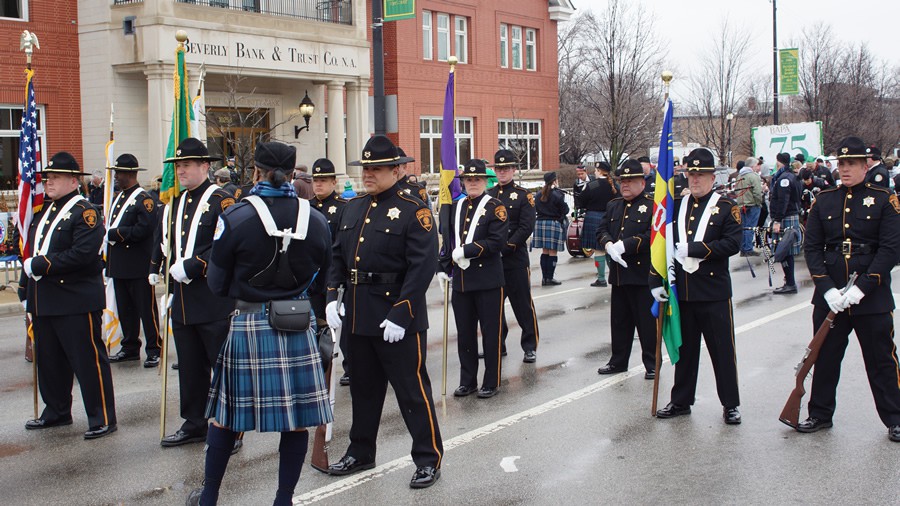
column 378, row 66
column 775, row 61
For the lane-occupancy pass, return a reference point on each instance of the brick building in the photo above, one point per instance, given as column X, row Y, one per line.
column 56, row 79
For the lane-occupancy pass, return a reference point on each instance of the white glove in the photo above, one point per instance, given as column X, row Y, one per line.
column 853, row 296
column 443, row 277
column 835, row 300
column 457, row 254
column 153, row 279
column 333, row 314
column 27, row 267
column 615, row 251
column 178, row 273
column 392, row 332
column 681, row 250
column 660, row 294
column 25, row 305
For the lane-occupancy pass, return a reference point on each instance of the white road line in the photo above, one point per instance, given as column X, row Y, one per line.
column 366, row 476
column 557, row 293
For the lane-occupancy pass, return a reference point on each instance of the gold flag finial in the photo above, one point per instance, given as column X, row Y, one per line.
column 452, row 61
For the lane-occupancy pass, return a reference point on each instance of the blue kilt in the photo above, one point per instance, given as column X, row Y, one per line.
column 792, row 222
column 549, row 234
column 267, row 380
column 589, row 228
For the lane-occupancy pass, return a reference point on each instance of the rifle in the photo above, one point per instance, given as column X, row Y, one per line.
column 324, row 432
column 790, row 415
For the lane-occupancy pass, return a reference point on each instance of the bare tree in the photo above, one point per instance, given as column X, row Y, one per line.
column 575, row 124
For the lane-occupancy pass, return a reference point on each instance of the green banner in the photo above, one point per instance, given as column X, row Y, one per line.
column 399, row 9
column 788, row 80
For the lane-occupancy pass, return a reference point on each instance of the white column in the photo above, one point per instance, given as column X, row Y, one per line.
column 356, row 125
column 159, row 117
column 336, row 152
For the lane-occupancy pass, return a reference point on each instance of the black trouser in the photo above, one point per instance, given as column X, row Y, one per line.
column 518, row 291
column 470, row 308
column 318, row 305
column 67, row 345
column 136, row 302
column 198, row 347
column 715, row 322
column 402, row 364
column 630, row 310
column 876, row 340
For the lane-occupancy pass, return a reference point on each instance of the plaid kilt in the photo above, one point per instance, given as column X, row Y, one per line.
column 792, row 222
column 549, row 234
column 589, row 228
column 267, row 380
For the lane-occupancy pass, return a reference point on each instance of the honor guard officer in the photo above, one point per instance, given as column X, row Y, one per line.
column 133, row 221
column 707, row 231
column 385, row 253
column 199, row 318
column 330, row 204
column 519, row 204
column 854, row 228
column 624, row 233
column 63, row 289
column 877, row 173
column 408, row 183
column 479, row 229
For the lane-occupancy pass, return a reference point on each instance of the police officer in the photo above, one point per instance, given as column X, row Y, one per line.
column 854, row 228
column 649, row 173
column 707, row 231
column 385, row 253
column 625, row 234
column 62, row 286
column 330, row 204
column 784, row 210
column 410, row 184
column 519, row 204
column 133, row 221
column 199, row 318
column 877, row 173
column 593, row 199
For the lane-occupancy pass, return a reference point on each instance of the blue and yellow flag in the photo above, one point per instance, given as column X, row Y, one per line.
column 182, row 115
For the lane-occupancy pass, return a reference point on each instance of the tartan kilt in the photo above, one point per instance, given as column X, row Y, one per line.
column 793, row 222
column 589, row 228
column 267, row 380
column 549, row 234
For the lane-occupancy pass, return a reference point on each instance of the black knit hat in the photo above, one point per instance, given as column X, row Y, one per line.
column 126, row 162
column 191, row 149
column 549, row 177
column 275, row 156
column 603, row 166
column 630, row 168
column 783, row 158
column 800, row 157
column 505, row 158
column 323, row 168
column 474, row 168
column 63, row 163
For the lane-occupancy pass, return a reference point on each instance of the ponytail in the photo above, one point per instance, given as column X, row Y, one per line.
column 276, row 177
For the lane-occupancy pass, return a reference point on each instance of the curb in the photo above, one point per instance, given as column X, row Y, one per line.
column 10, row 309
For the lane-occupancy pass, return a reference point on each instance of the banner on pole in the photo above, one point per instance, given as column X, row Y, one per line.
column 399, row 9
column 788, row 79
column 792, row 138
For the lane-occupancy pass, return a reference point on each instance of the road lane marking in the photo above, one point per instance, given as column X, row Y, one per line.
column 358, row 479
column 557, row 293
column 509, row 464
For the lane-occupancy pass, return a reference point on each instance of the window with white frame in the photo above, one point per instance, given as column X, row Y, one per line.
column 517, row 47
column 10, row 129
column 430, row 142
column 426, row 35
column 462, row 38
column 14, row 9
column 530, row 54
column 504, row 47
column 443, row 36
column 522, row 137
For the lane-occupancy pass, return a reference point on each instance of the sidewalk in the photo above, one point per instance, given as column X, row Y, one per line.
column 9, row 300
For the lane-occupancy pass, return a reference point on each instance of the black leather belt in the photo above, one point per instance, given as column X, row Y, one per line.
column 849, row 247
column 243, row 306
column 373, row 278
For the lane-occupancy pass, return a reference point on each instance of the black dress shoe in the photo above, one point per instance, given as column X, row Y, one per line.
column 121, row 356
column 732, row 416
column 486, row 392
column 813, row 424
column 530, row 357
column 786, row 289
column 348, row 465
column 100, row 431
column 599, row 282
column 238, row 444
column 40, row 423
column 193, row 498
column 649, row 375
column 894, row 433
column 344, row 381
column 151, row 362
column 550, row 282
column 182, row 438
column 672, row 410
column 608, row 369
column 424, row 477
column 464, row 391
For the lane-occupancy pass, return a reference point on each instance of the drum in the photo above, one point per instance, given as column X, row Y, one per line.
column 573, row 239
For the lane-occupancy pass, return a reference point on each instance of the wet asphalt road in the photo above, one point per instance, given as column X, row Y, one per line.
column 557, row 431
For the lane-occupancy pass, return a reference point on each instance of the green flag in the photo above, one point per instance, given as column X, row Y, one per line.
column 182, row 115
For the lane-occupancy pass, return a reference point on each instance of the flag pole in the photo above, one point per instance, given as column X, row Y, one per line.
column 452, row 61
column 29, row 41
column 107, row 207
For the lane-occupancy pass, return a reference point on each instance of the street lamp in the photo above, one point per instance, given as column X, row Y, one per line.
column 729, row 117
column 307, row 108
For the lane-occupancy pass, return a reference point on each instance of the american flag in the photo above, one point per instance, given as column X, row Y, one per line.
column 31, row 190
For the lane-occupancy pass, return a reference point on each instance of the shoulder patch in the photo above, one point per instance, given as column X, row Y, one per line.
column 149, row 204
column 227, row 202
column 237, row 193
column 90, row 217
column 220, row 229
column 784, row 182
column 500, row 212
column 878, row 178
column 531, row 199
column 736, row 214
column 423, row 194
column 425, row 219
column 895, row 203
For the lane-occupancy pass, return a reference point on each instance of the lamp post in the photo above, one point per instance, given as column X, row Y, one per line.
column 307, row 108
column 729, row 117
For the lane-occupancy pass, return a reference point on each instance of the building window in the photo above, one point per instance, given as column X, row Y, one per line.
column 426, row 35
column 504, row 50
column 530, row 55
column 517, row 47
column 430, row 142
column 462, row 38
column 443, row 36
column 10, row 128
column 522, row 137
column 14, row 9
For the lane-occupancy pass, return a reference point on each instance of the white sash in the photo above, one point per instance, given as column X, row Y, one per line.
column 287, row 235
column 479, row 211
column 691, row 264
column 188, row 251
column 129, row 201
column 42, row 241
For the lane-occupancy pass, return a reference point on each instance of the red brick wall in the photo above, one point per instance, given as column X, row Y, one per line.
column 57, row 83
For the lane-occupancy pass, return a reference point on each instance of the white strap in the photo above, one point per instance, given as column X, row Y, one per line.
column 195, row 222
column 287, row 235
column 42, row 241
column 691, row 264
column 478, row 212
column 130, row 201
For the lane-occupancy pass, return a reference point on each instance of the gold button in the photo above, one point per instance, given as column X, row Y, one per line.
column 387, row 293
column 62, row 280
column 368, row 220
column 849, row 196
column 374, row 204
column 182, row 233
column 190, row 200
column 467, row 219
column 847, row 257
column 690, row 232
column 829, row 217
column 623, row 228
column 627, row 205
column 387, row 230
column 692, row 218
column 846, row 225
column 357, row 259
column 626, row 216
column 470, row 207
column 711, row 274
column 362, row 239
column 868, row 217
column 696, row 205
column 847, row 210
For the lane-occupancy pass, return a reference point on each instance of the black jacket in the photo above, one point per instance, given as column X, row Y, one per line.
column 596, row 195
column 630, row 223
column 785, row 195
column 331, row 208
column 131, row 243
column 555, row 208
column 879, row 175
column 519, row 204
column 485, row 269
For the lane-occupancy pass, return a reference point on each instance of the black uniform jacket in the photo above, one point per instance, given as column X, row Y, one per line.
column 879, row 175
column 391, row 239
column 785, row 195
column 869, row 217
column 485, row 269
column 519, row 204
column 555, row 208
column 630, row 223
column 596, row 195
column 330, row 207
column 131, row 243
column 242, row 251
column 724, row 233
column 194, row 303
column 72, row 281
column 414, row 188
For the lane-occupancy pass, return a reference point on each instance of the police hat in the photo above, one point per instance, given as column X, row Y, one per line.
column 873, row 152
column 63, row 163
column 700, row 160
column 644, row 159
column 380, row 151
column 852, row 147
column 783, row 158
column 275, row 156
column 630, row 168
column 474, row 168
column 603, row 166
column 191, row 149
column 505, row 158
column 403, row 155
column 580, row 166
column 323, row 168
column 126, row 162
column 675, row 161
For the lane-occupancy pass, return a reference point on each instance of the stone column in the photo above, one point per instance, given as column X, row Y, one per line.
column 159, row 117
column 357, row 124
column 336, row 151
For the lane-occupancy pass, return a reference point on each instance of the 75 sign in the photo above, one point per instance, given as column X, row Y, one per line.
column 794, row 139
